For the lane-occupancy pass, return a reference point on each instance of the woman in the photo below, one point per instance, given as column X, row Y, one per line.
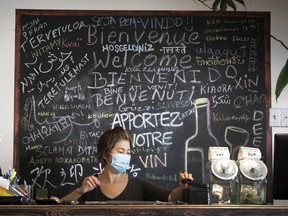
column 114, row 152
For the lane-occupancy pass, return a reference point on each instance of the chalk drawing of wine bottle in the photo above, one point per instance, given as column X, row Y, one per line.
column 196, row 146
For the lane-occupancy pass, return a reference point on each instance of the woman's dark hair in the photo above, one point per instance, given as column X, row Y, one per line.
column 107, row 141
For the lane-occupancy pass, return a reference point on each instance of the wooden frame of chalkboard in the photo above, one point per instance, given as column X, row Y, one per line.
column 179, row 81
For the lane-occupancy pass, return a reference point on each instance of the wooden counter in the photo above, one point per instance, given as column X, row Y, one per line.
column 195, row 210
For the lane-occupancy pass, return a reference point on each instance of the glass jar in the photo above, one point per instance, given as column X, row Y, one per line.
column 252, row 182
column 222, row 181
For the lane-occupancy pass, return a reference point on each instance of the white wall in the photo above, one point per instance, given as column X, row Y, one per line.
column 279, row 54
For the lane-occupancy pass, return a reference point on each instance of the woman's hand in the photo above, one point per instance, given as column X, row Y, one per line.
column 176, row 194
column 184, row 175
column 89, row 183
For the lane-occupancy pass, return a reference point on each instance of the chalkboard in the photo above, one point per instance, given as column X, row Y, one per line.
column 165, row 76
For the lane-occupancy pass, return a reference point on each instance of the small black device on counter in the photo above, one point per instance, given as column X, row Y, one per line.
column 47, row 201
column 198, row 194
column 194, row 183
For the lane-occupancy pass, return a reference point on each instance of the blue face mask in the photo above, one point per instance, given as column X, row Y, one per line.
column 120, row 163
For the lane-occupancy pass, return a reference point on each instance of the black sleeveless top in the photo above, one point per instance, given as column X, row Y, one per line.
column 137, row 189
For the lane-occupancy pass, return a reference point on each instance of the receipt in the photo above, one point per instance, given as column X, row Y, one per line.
column 4, row 182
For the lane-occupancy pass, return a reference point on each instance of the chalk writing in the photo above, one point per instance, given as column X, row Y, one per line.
column 79, row 75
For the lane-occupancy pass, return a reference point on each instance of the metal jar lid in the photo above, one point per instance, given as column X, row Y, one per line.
column 224, row 169
column 253, row 169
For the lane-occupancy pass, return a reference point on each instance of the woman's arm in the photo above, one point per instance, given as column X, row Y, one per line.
column 176, row 194
column 88, row 184
column 73, row 196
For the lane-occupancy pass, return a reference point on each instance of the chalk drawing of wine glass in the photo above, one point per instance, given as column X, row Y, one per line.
column 235, row 137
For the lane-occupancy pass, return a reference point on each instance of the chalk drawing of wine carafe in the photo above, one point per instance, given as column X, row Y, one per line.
column 235, row 137
column 196, row 146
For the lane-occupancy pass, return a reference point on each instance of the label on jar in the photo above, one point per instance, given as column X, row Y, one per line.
column 249, row 153
column 218, row 153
